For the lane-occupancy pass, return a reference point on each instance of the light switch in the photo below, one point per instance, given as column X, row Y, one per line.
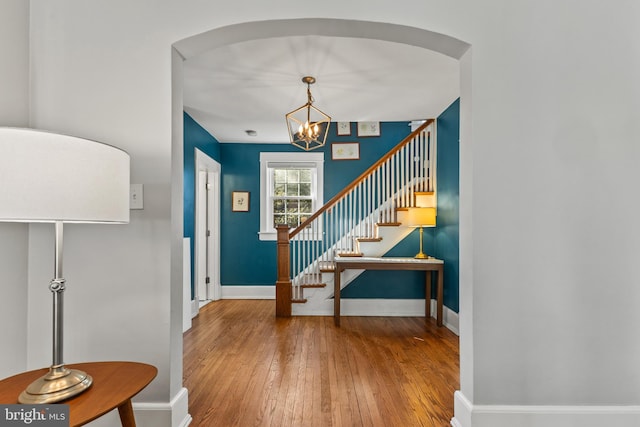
column 136, row 196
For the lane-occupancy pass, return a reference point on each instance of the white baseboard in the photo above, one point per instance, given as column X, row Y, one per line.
column 194, row 308
column 469, row 415
column 451, row 319
column 248, row 292
column 153, row 414
column 350, row 306
column 172, row 414
column 378, row 307
column 396, row 308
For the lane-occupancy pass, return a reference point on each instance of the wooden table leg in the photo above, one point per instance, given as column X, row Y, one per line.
column 336, row 296
column 440, row 295
column 126, row 414
column 427, row 295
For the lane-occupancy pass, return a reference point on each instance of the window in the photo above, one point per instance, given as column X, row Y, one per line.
column 292, row 201
column 291, row 187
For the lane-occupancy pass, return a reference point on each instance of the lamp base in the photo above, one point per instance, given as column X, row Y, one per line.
column 422, row 256
column 58, row 384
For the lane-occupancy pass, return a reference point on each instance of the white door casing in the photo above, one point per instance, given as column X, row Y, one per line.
column 207, row 229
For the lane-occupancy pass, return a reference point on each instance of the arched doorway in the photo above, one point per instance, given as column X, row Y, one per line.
column 446, row 45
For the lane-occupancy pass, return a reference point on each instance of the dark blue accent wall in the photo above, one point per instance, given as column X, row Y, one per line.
column 447, row 235
column 194, row 137
column 339, row 173
column 441, row 241
column 245, row 260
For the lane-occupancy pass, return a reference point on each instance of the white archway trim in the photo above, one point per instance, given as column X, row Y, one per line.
column 198, row 44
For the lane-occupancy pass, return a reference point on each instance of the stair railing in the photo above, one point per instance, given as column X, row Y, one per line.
column 352, row 214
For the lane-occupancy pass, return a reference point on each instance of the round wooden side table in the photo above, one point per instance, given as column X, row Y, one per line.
column 114, row 384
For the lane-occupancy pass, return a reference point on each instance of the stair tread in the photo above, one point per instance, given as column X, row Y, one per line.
column 369, row 239
column 350, row 254
column 299, row 300
column 388, row 224
column 313, row 285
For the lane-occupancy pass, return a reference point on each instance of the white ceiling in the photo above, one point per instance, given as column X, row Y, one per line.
column 253, row 84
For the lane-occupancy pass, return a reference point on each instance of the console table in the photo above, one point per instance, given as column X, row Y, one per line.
column 114, row 384
column 392, row 263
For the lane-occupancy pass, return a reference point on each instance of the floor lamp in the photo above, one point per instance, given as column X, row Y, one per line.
column 421, row 217
column 48, row 177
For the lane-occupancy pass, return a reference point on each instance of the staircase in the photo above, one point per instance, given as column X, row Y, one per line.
column 365, row 218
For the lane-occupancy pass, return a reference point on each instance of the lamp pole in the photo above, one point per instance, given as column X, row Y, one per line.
column 59, row 383
column 57, row 287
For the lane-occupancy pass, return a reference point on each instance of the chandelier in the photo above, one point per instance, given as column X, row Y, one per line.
column 308, row 126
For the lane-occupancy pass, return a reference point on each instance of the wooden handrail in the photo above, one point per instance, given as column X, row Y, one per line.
column 360, row 178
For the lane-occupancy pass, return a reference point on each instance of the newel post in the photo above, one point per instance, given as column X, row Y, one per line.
column 283, row 283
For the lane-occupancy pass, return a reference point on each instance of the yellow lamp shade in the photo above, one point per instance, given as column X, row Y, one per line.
column 421, row 217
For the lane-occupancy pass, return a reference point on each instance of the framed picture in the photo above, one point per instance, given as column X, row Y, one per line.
column 240, row 201
column 368, row 128
column 343, row 128
column 345, row 151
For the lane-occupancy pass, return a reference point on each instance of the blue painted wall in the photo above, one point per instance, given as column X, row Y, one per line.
column 339, row 173
column 441, row 241
column 447, row 235
column 246, row 260
column 194, row 137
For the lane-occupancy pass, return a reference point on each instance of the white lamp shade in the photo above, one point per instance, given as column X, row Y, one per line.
column 421, row 217
column 48, row 177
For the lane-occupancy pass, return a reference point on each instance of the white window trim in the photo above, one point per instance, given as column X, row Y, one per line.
column 267, row 232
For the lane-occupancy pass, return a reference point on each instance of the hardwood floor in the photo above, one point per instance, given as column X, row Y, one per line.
column 244, row 367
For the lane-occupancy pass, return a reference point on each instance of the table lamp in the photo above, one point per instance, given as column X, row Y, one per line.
column 421, row 217
column 48, row 177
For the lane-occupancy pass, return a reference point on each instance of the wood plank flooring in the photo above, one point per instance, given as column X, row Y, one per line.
column 244, row 367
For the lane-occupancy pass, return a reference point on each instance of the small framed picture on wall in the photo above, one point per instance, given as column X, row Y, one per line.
column 368, row 129
column 240, row 201
column 345, row 151
column 343, row 128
